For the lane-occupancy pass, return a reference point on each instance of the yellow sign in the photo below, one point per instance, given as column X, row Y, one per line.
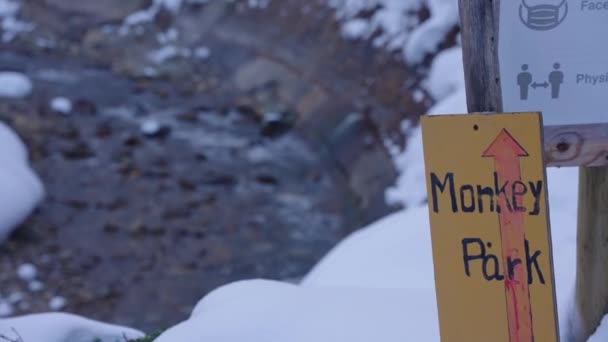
column 489, row 225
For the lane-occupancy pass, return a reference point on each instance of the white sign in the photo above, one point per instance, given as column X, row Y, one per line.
column 553, row 57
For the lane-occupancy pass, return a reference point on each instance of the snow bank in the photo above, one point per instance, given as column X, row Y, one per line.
column 14, row 84
column 380, row 256
column 276, row 312
column 445, row 82
column 601, row 334
column 61, row 327
column 20, row 188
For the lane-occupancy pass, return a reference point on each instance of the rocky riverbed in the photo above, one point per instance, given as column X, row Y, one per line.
column 207, row 145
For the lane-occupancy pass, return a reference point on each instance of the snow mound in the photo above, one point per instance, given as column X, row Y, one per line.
column 20, row 188
column 379, row 255
column 61, row 327
column 14, row 84
column 269, row 311
column 601, row 334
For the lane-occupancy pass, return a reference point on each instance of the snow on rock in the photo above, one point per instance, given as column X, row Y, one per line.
column 20, row 188
column 57, row 303
column 426, row 38
column 61, row 105
column 269, row 311
column 393, row 18
column 202, row 52
column 14, row 84
column 10, row 26
column 150, row 127
column 6, row 308
column 35, row 286
column 26, row 272
column 355, row 28
column 398, row 23
column 61, row 327
column 148, row 14
column 164, row 54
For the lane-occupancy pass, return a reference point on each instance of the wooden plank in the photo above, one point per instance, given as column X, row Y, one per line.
column 577, row 145
column 490, row 227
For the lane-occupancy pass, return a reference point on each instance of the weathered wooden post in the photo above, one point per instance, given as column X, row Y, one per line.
column 518, row 61
column 592, row 253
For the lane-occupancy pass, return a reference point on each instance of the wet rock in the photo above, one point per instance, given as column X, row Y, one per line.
column 156, row 230
column 106, row 10
column 186, row 184
column 114, row 204
column 188, row 116
column 127, row 168
column 266, row 179
column 84, row 106
column 163, row 19
column 212, row 178
column 80, row 150
column 132, row 141
column 275, row 124
column 76, row 204
column 68, row 131
column 103, row 130
column 137, row 228
column 201, row 157
column 249, row 111
column 111, row 227
column 178, row 212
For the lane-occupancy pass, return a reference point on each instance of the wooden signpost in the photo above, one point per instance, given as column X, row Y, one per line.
column 489, row 226
column 520, row 55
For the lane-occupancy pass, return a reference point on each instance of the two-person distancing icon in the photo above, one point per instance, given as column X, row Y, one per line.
column 525, row 81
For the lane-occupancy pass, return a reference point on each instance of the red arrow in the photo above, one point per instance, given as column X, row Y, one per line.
column 506, row 152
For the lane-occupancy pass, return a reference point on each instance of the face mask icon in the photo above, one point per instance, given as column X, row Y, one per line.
column 543, row 17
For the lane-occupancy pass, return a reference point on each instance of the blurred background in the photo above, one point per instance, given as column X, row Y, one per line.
column 185, row 144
